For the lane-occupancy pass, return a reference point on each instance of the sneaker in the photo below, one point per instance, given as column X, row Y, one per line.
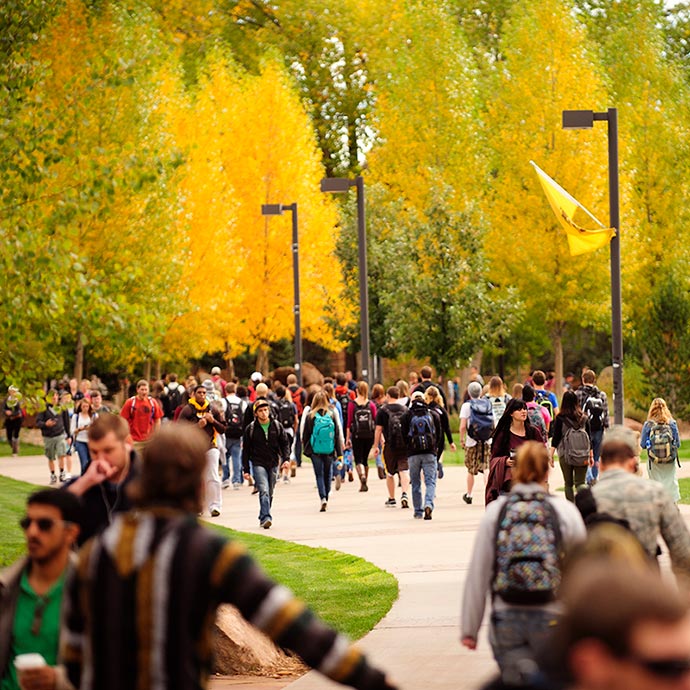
column 390, row 503
column 236, row 486
column 467, row 498
column 68, row 476
column 286, row 479
column 215, row 512
column 418, row 516
column 266, row 524
column 255, row 491
column 324, row 503
column 338, row 482
column 62, row 476
column 226, row 484
column 364, row 486
column 427, row 513
column 440, row 470
column 53, row 478
column 350, row 476
column 404, row 502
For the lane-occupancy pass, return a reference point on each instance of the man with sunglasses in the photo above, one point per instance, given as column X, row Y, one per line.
column 31, row 591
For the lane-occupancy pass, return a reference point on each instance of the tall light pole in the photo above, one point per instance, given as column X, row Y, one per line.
column 341, row 185
column 584, row 119
column 277, row 210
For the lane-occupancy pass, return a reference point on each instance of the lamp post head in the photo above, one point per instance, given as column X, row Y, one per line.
column 337, row 185
column 578, row 119
column 271, row 209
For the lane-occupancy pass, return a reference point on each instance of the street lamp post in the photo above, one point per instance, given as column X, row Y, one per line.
column 584, row 119
column 277, row 210
column 341, row 185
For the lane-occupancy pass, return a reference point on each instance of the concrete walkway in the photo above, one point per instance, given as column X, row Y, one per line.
column 417, row 643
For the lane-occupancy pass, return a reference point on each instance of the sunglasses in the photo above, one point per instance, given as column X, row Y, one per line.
column 665, row 668
column 43, row 524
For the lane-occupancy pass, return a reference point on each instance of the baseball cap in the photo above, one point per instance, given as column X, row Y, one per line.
column 256, row 376
column 261, row 402
column 417, row 395
column 208, row 385
column 215, row 370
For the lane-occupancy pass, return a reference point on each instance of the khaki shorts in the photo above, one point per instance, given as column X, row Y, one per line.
column 395, row 460
column 477, row 458
column 55, row 447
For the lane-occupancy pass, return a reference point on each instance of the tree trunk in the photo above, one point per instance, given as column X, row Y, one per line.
column 147, row 369
column 79, row 359
column 158, row 370
column 262, row 359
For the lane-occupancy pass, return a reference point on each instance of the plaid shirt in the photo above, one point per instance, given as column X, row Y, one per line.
column 649, row 510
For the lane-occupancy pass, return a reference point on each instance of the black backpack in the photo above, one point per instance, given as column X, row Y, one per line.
column 363, row 425
column 344, row 399
column 285, row 413
column 394, row 433
column 595, row 408
column 233, row 420
column 174, row 400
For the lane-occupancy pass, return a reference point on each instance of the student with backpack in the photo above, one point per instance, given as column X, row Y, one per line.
column 571, row 439
column 497, row 397
column 594, row 404
column 286, row 413
column 512, row 431
column 235, row 408
column 432, row 397
column 322, row 443
column 661, row 441
column 360, row 428
column 537, row 414
column 389, row 428
column 476, row 427
column 421, row 428
column 517, row 559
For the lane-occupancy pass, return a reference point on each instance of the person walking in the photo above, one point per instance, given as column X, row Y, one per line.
column 513, row 429
column 660, row 439
column 359, row 431
column 265, row 446
column 82, row 419
column 571, row 436
column 143, row 414
column 421, row 430
column 54, row 425
column 14, row 417
column 432, row 397
column 594, row 404
column 322, row 443
column 517, row 559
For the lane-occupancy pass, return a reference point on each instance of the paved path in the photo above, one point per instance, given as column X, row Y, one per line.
column 417, row 642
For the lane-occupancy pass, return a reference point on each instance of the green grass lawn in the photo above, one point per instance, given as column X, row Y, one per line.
column 348, row 592
column 684, row 485
column 24, row 449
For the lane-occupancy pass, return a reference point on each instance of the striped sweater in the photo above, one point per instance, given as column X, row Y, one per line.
column 140, row 606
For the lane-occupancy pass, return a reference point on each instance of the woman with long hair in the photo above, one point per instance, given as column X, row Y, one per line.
column 513, row 429
column 322, row 443
column 517, row 559
column 661, row 441
column 81, row 420
column 404, row 389
column 497, row 397
column 434, row 401
column 361, row 424
column 571, row 434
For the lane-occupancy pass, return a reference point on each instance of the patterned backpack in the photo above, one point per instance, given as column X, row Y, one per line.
column 527, row 567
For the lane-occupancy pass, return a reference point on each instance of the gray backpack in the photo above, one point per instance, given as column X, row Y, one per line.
column 574, row 446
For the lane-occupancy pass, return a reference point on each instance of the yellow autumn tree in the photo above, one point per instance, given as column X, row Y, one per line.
column 547, row 69
column 248, row 142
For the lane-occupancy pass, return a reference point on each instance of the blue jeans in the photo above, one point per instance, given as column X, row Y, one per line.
column 596, row 438
column 516, row 636
column 265, row 481
column 427, row 464
column 323, row 464
column 233, row 452
column 83, row 453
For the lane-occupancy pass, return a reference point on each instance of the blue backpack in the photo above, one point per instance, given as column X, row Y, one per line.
column 480, row 425
column 323, row 434
column 421, row 436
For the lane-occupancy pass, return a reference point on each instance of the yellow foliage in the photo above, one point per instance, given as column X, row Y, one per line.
column 248, row 142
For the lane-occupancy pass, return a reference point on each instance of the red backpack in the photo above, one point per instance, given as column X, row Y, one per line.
column 297, row 398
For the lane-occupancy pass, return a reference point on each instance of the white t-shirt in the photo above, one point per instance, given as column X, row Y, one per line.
column 465, row 414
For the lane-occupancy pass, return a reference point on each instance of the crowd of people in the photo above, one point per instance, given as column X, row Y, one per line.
column 147, row 472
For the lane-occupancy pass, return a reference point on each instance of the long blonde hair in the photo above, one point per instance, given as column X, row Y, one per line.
column 404, row 388
column 496, row 387
column 432, row 395
column 319, row 402
column 659, row 412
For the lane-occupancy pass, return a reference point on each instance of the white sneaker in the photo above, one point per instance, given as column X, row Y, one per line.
column 226, row 484
column 53, row 478
column 235, row 487
column 63, row 477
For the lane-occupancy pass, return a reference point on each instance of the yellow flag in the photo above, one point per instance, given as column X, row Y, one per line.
column 580, row 240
